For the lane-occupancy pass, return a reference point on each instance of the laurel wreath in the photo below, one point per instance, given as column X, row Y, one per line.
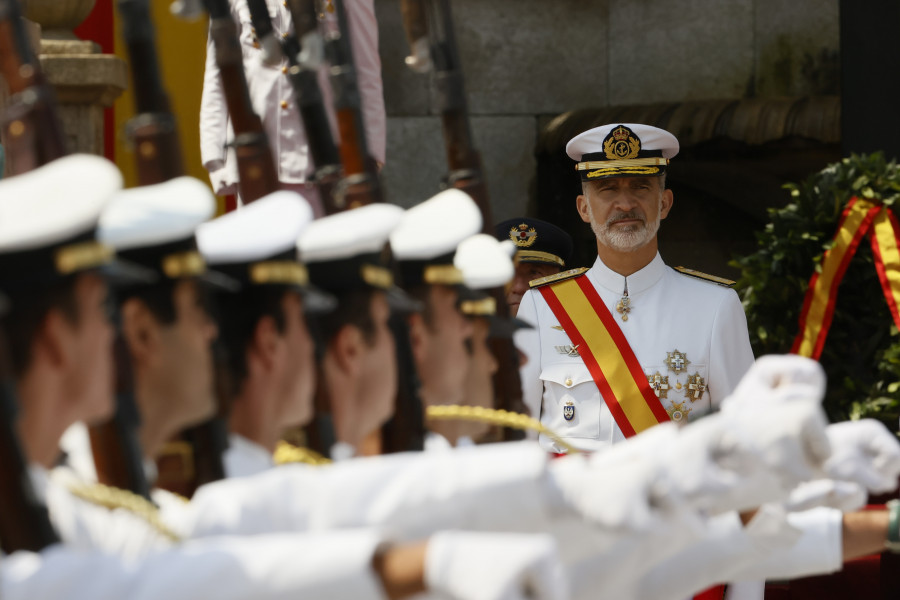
column 862, row 352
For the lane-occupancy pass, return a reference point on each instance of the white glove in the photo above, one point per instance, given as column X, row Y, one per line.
column 492, row 566
column 845, row 496
column 611, row 489
column 218, row 178
column 773, row 371
column 864, row 452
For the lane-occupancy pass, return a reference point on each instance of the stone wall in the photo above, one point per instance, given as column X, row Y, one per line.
column 527, row 61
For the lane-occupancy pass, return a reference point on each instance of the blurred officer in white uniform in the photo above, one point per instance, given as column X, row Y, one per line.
column 273, row 99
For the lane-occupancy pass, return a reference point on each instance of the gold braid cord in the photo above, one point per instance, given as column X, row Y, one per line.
column 495, row 417
column 113, row 498
column 287, row 453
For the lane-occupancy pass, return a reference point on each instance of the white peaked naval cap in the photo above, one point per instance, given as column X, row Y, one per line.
column 57, row 201
column 265, row 228
column 436, row 226
column 363, row 230
column 156, row 214
column 484, row 261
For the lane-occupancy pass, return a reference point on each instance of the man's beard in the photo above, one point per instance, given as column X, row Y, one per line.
column 625, row 238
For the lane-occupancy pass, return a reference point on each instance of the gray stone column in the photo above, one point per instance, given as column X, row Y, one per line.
column 86, row 80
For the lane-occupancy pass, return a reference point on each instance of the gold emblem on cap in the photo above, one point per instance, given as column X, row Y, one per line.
column 183, row 264
column 442, row 274
column 621, row 144
column 279, row 272
column 79, row 257
column 483, row 307
column 523, row 236
column 377, row 276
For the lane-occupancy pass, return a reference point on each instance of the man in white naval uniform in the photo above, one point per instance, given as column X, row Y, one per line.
column 273, row 100
column 689, row 335
column 262, row 326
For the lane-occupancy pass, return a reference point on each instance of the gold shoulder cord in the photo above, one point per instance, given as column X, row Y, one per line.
column 287, row 453
column 495, row 417
column 112, row 498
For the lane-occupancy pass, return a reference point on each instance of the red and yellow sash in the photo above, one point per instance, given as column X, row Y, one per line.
column 594, row 331
column 860, row 218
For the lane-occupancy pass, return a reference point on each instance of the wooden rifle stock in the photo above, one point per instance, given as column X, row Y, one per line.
column 256, row 165
column 153, row 131
column 117, row 454
column 465, row 168
column 304, row 53
column 32, row 132
column 361, row 184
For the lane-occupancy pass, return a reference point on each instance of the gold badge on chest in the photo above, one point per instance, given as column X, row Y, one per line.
column 677, row 361
column 695, row 387
column 659, row 384
column 678, row 411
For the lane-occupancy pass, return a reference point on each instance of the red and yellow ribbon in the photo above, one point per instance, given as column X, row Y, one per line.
column 886, row 250
column 860, row 218
column 594, row 331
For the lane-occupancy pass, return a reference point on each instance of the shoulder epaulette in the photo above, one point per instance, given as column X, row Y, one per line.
column 115, row 498
column 287, row 453
column 705, row 277
column 535, row 283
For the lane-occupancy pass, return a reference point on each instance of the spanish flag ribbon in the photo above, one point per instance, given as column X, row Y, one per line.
column 594, row 331
column 884, row 236
column 821, row 295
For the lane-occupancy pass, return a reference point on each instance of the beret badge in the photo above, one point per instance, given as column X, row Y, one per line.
column 523, row 236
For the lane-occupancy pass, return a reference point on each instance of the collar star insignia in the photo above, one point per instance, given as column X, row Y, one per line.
column 678, row 412
column 677, row 361
column 659, row 384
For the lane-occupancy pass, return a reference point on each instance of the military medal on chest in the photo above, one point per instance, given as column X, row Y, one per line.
column 623, row 306
column 659, row 384
column 678, row 411
column 569, row 410
column 677, row 361
column 570, row 350
column 695, row 387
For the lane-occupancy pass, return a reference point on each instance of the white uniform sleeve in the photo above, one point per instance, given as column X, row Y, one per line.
column 213, row 112
column 730, row 355
column 818, row 551
column 529, row 342
column 499, row 488
column 364, row 40
column 274, row 567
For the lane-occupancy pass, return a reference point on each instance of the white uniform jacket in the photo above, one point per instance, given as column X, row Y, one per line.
column 274, row 567
column 698, row 326
column 244, row 457
column 273, row 97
